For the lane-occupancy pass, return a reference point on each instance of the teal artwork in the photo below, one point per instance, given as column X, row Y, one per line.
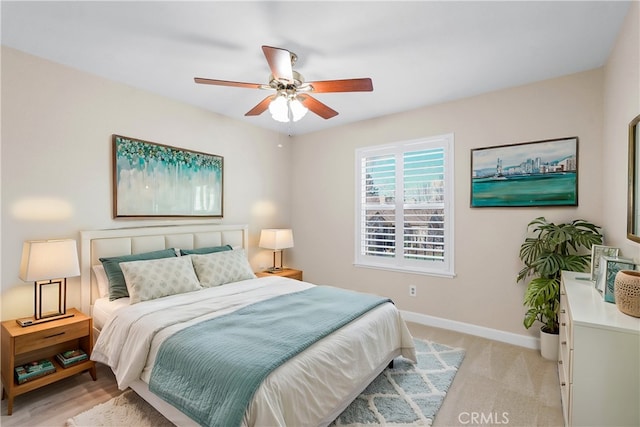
column 154, row 180
column 540, row 173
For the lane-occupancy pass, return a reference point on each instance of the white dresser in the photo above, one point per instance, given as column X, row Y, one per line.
column 599, row 358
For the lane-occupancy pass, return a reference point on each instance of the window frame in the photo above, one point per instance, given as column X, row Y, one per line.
column 400, row 263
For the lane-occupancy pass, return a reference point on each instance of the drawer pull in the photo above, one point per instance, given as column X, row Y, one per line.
column 563, row 324
column 563, row 343
column 563, row 384
column 55, row 335
column 559, row 362
column 563, row 311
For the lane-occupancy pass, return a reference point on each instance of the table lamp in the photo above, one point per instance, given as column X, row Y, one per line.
column 48, row 263
column 277, row 240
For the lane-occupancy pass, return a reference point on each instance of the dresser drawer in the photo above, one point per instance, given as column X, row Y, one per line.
column 51, row 336
column 565, row 394
column 564, row 318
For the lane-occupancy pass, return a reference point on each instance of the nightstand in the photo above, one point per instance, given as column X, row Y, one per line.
column 291, row 273
column 21, row 345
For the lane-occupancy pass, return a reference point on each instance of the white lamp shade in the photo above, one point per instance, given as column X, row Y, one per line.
column 49, row 259
column 276, row 239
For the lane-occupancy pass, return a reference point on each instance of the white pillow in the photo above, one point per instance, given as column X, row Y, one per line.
column 101, row 280
column 220, row 268
column 151, row 279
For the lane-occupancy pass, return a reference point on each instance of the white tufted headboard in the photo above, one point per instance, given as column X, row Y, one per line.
column 125, row 241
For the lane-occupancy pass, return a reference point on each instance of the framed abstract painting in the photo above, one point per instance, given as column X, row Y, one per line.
column 538, row 173
column 155, row 180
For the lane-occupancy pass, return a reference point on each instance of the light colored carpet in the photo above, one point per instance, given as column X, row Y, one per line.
column 407, row 395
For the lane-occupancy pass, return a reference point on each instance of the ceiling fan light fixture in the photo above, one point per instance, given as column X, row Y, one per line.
column 298, row 110
column 286, row 108
column 279, row 109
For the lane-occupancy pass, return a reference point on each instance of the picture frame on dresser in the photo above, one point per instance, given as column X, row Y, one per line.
column 597, row 252
column 156, row 180
column 607, row 270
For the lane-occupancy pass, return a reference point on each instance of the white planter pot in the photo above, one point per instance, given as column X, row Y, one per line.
column 549, row 345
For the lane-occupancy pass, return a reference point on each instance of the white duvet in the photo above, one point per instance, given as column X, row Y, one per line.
column 311, row 389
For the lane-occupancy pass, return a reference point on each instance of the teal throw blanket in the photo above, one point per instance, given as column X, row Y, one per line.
column 211, row 370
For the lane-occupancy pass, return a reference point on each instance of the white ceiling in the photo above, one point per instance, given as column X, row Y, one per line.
column 417, row 53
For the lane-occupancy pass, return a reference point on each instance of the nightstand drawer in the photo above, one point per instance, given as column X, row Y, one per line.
column 50, row 336
column 291, row 273
column 294, row 274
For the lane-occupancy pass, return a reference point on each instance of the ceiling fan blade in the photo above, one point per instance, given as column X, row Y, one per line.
column 346, row 85
column 227, row 83
column 279, row 62
column 261, row 107
column 317, row 107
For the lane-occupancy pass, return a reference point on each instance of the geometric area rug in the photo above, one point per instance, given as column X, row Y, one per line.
column 407, row 395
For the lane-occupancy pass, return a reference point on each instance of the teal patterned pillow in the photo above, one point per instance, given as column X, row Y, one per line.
column 208, row 250
column 147, row 280
column 222, row 267
column 117, row 285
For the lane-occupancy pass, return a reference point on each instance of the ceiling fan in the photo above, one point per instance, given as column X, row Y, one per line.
column 292, row 97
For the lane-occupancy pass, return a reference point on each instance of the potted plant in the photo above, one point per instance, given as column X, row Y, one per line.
column 549, row 249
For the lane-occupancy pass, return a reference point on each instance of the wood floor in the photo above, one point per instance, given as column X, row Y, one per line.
column 498, row 384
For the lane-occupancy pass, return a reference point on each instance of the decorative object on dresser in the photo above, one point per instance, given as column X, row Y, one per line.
column 598, row 359
column 627, row 292
column 155, row 180
column 597, row 252
column 277, row 240
column 48, row 263
column 551, row 249
column 23, row 346
column 291, row 273
column 607, row 270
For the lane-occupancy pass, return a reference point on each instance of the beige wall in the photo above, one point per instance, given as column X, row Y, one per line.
column 483, row 298
column 487, row 240
column 56, row 144
column 621, row 105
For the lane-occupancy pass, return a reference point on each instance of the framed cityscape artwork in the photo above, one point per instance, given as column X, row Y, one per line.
column 538, row 173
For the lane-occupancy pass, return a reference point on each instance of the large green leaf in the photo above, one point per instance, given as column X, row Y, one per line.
column 546, row 252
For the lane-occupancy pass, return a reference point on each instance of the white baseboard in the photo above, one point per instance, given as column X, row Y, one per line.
column 468, row 328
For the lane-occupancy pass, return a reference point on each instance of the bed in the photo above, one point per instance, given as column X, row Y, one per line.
column 311, row 386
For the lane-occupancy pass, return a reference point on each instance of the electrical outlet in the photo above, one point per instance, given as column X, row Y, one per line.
column 412, row 290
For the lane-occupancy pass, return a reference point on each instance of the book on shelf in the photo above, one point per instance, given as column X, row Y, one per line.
column 33, row 370
column 71, row 357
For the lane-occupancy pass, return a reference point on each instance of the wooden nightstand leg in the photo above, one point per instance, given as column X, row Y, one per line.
column 4, row 393
column 10, row 405
column 93, row 372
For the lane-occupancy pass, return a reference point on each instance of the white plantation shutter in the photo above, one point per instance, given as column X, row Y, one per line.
column 378, row 233
column 405, row 206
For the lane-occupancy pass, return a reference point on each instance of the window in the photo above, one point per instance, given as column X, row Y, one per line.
column 405, row 206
